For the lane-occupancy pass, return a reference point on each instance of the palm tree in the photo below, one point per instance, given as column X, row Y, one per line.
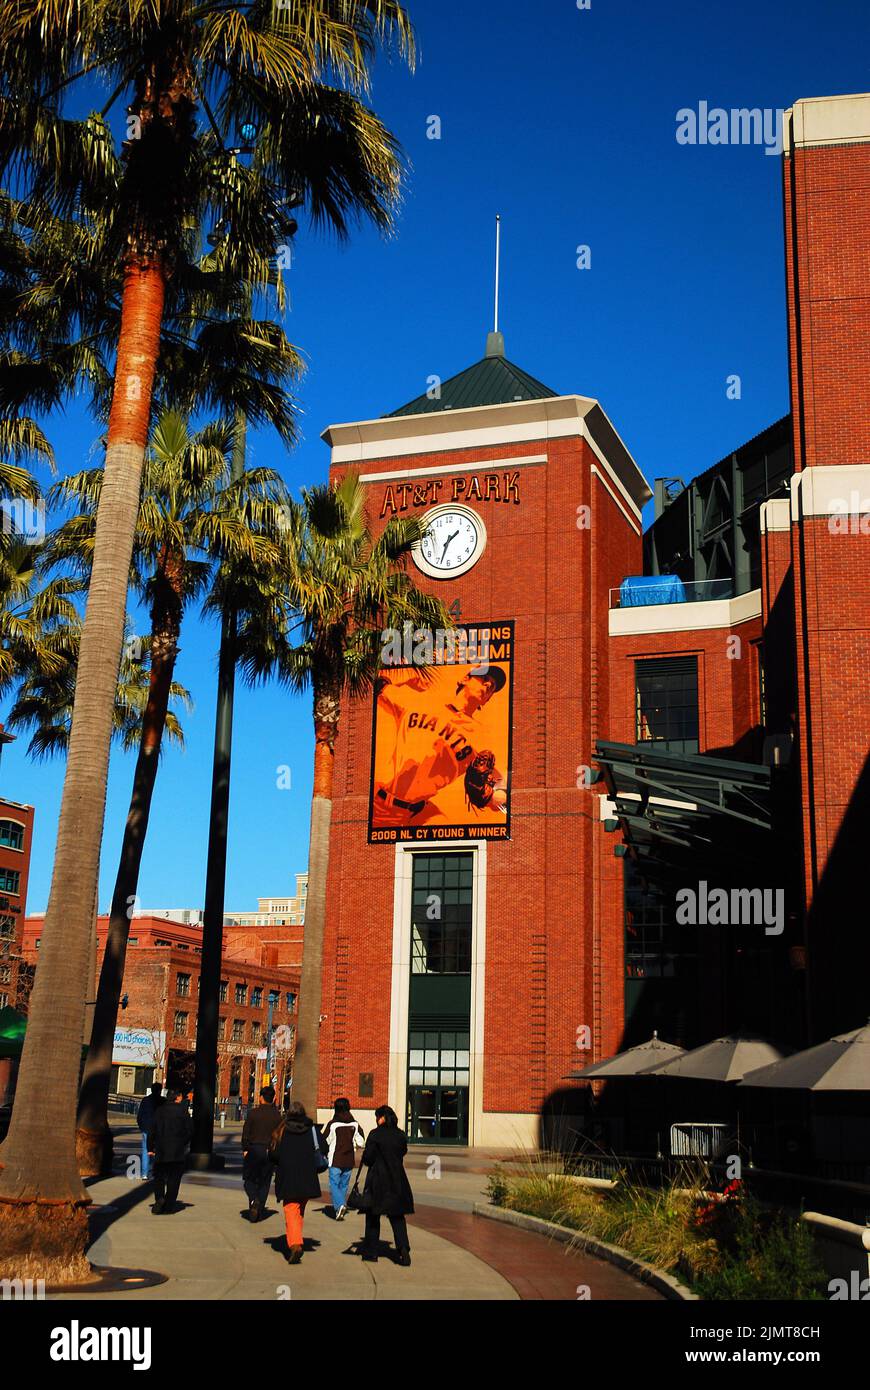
column 343, row 588
column 172, row 59
column 190, row 513
column 44, row 704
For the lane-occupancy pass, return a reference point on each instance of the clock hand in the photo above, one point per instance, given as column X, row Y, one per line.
column 446, row 543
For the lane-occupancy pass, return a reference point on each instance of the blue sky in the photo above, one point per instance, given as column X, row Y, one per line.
column 563, row 120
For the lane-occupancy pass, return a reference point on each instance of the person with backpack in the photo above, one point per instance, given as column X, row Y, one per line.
column 387, row 1191
column 341, row 1136
column 297, row 1154
column 145, row 1118
column 260, row 1124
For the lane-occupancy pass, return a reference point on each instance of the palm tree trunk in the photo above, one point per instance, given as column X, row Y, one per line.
column 93, row 1135
column 208, row 1008
column 306, row 1065
column 42, row 1198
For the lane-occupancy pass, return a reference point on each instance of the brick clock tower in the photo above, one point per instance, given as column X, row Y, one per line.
column 472, row 949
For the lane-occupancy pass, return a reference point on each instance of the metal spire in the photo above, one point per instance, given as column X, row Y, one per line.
column 495, row 340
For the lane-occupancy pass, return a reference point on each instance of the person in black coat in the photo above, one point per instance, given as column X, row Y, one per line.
column 387, row 1191
column 169, row 1141
column 297, row 1153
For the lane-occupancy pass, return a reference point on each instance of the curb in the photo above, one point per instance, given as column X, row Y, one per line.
column 664, row 1284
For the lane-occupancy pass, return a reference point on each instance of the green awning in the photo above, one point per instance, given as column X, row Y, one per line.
column 13, row 1026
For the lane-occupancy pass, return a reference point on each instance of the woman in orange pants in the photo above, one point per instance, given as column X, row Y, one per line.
column 298, row 1158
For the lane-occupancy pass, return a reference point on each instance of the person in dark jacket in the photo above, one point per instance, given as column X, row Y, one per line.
column 169, row 1142
column 296, row 1180
column 341, row 1136
column 387, row 1191
column 260, row 1124
column 144, row 1119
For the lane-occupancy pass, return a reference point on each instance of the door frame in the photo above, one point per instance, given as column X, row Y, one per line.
column 400, row 982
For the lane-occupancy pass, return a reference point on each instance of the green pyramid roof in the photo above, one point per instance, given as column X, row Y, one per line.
column 491, row 381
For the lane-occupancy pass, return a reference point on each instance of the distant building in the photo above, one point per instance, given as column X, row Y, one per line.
column 16, row 836
column 156, row 1033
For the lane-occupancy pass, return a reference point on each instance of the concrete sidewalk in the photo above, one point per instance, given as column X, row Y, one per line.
column 209, row 1250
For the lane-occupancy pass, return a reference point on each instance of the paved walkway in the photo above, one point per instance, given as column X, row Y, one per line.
column 209, row 1250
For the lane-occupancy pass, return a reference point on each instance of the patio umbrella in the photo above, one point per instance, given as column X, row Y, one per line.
column 635, row 1061
column 12, row 1029
column 840, row 1064
column 724, row 1059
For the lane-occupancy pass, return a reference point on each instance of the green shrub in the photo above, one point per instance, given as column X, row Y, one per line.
column 768, row 1255
column 497, row 1189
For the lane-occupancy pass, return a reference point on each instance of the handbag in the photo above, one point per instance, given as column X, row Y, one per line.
column 356, row 1200
column 321, row 1162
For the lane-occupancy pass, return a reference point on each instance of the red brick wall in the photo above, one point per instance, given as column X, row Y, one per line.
column 549, row 932
column 728, row 690
column 14, row 905
column 827, row 223
column 827, row 233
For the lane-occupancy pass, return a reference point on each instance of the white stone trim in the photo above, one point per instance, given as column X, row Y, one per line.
column 609, row 810
column 685, row 617
column 633, row 521
column 478, row 427
column 838, row 120
column 830, row 489
column 400, row 983
column 775, row 515
column 487, row 466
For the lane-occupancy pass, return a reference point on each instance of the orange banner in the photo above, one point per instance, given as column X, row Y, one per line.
column 441, row 738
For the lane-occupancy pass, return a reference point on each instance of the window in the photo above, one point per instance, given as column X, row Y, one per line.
column 291, row 1002
column 181, row 1024
column 256, row 1032
column 238, row 1030
column 222, row 1029
column 274, row 997
column 241, row 994
column 7, row 927
column 223, row 991
column 5, row 974
column 4, row 1000
column 182, row 985
column 162, row 942
column 9, row 880
column 257, row 997
column 133, row 941
column 438, row 1059
column 666, row 693
column 441, row 914
column 11, row 834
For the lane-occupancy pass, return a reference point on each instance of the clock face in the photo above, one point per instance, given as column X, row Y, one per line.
column 454, row 541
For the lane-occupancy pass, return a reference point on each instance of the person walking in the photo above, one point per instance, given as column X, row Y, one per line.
column 341, row 1136
column 297, row 1154
column 387, row 1191
column 171, row 1132
column 260, row 1124
column 144, row 1118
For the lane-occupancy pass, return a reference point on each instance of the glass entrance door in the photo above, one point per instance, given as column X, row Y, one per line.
column 438, row 1114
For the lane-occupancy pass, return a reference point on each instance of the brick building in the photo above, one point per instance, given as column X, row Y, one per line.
column 16, row 839
column 715, row 672
column 157, row 1030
